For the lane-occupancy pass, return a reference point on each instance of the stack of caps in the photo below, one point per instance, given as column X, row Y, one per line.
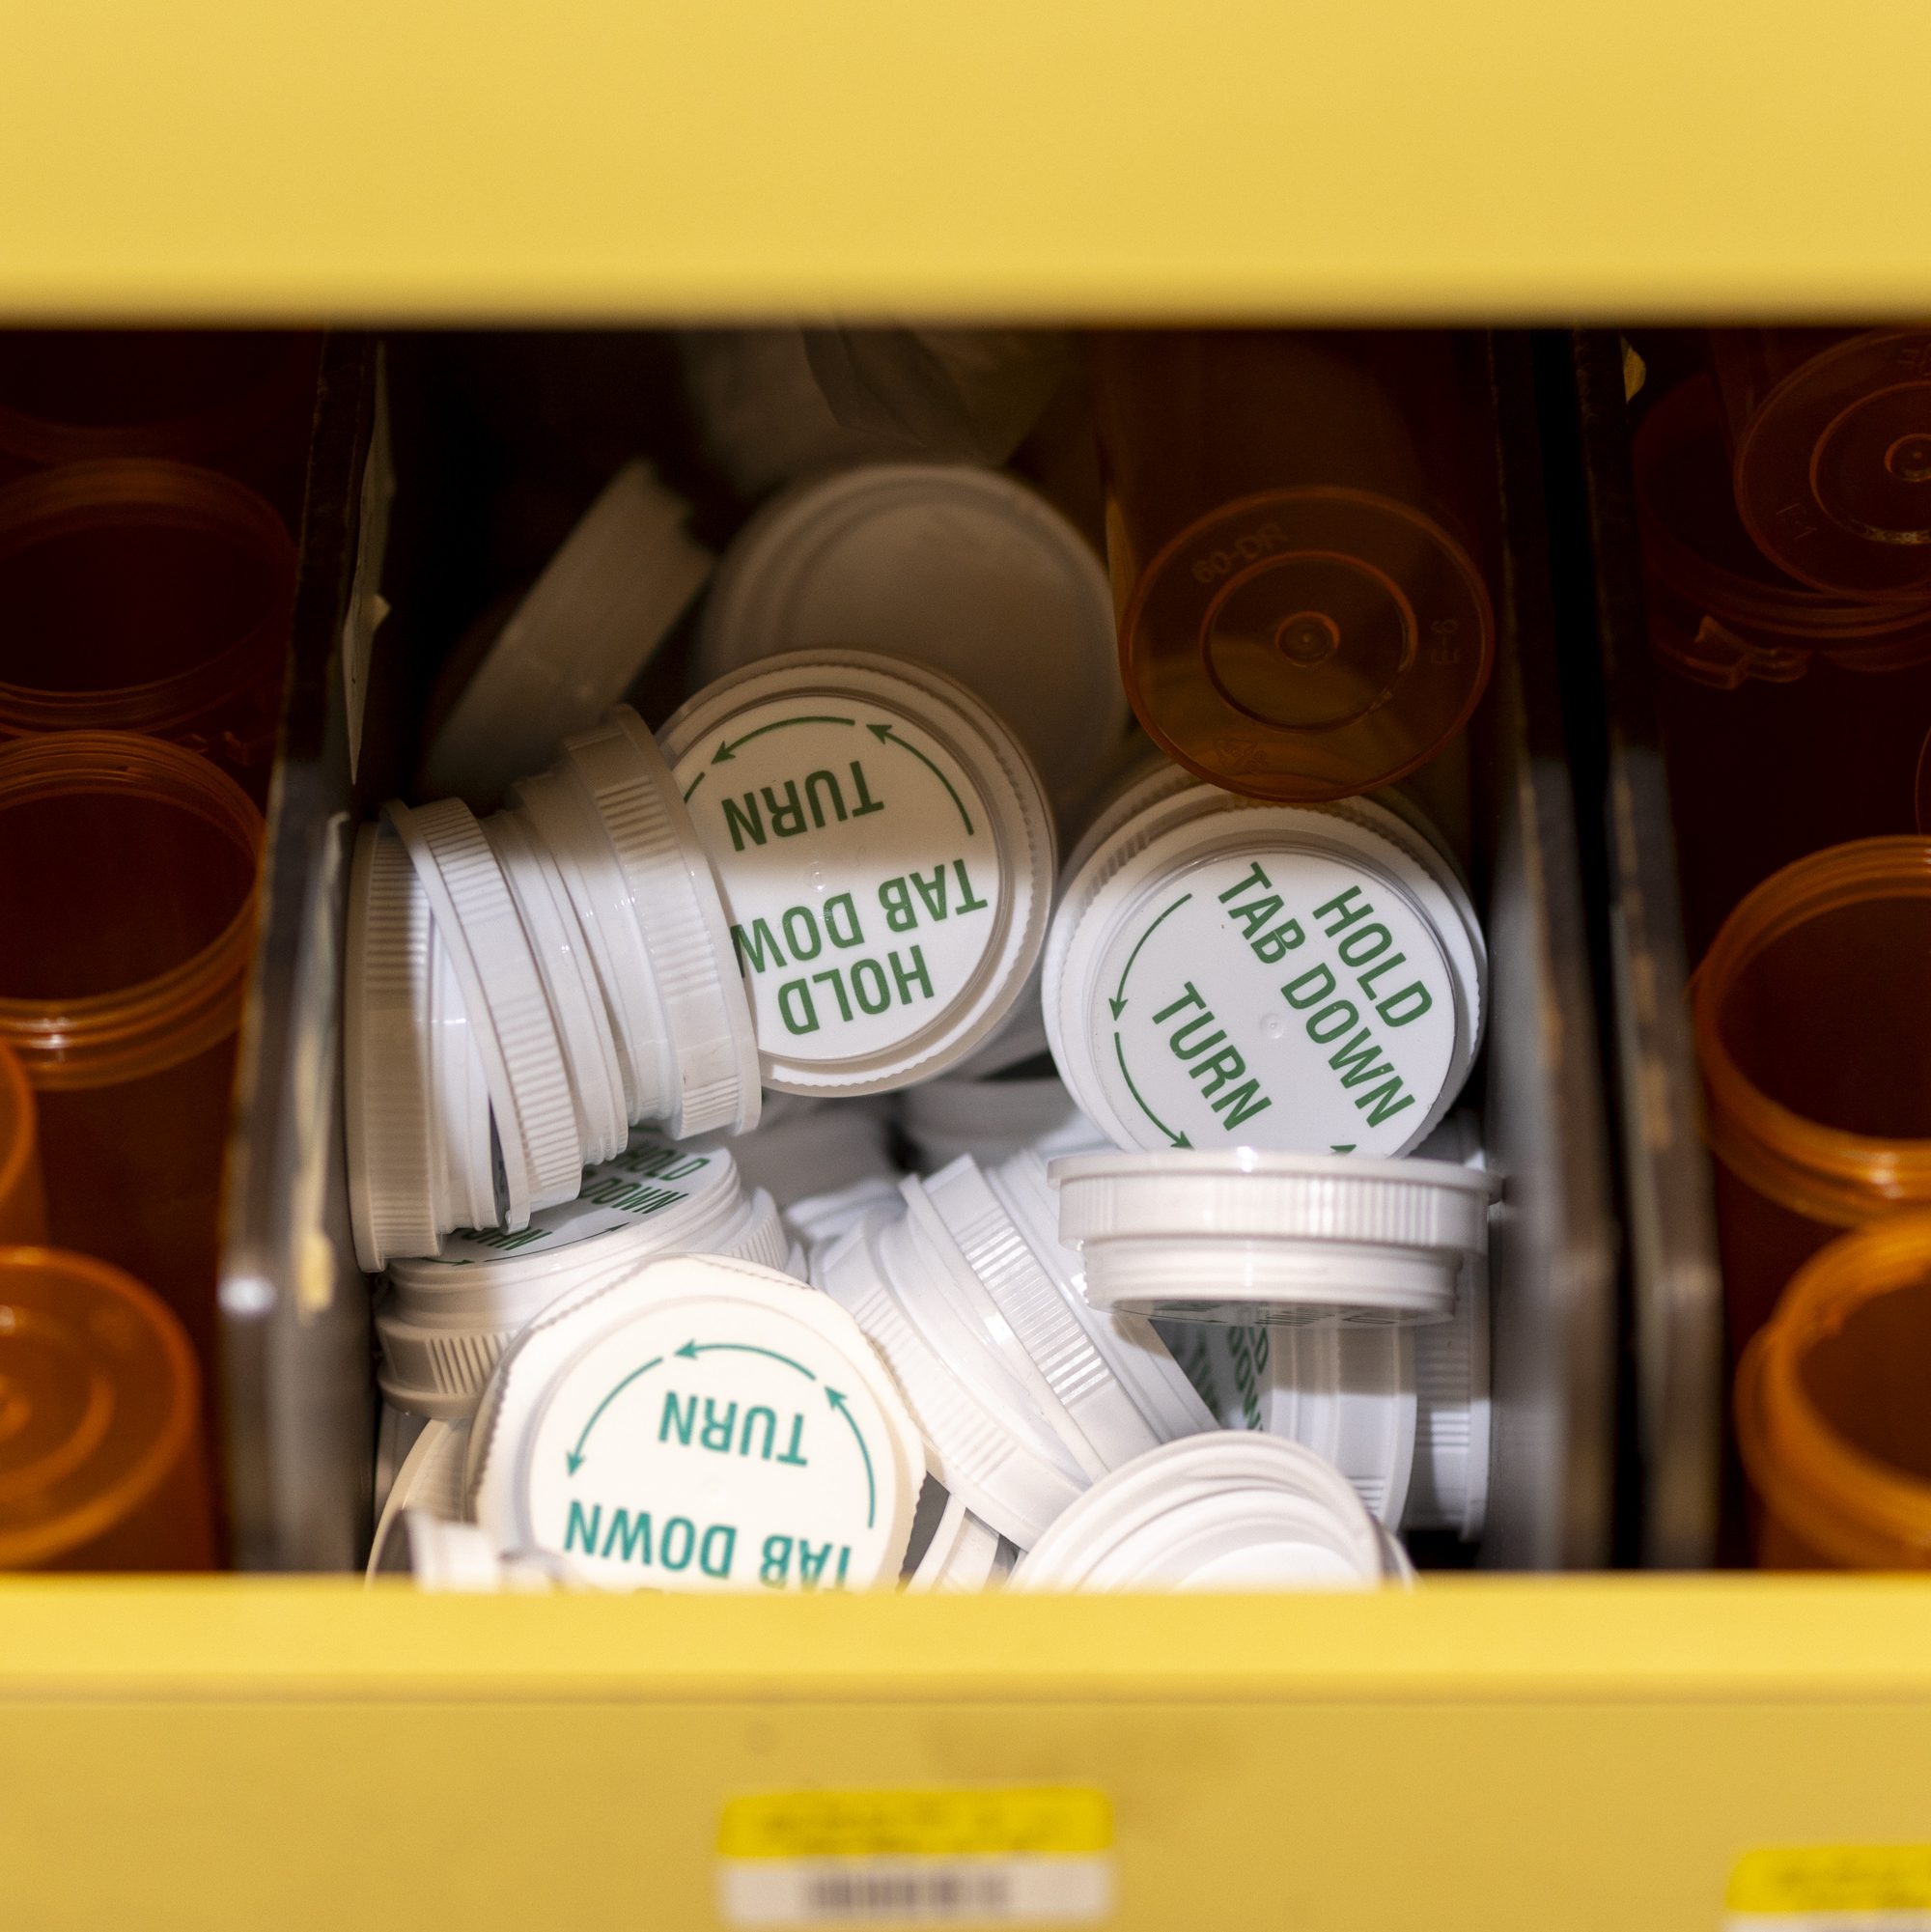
column 512, row 1008
column 1024, row 1392
column 630, row 940
column 1222, row 1512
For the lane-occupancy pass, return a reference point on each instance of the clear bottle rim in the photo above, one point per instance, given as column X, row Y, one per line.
column 1822, row 1172
column 1842, row 1501
column 106, row 1038
column 97, row 495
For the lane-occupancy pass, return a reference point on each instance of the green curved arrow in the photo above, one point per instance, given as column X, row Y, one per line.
column 574, row 1457
column 690, row 1351
column 1119, row 1000
column 1126, row 1073
column 727, row 749
column 885, row 734
column 837, row 1401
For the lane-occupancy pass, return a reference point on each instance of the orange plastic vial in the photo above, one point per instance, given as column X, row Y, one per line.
column 1832, row 1418
column 23, row 1210
column 1809, row 1012
column 235, row 401
column 141, row 595
column 1772, row 678
column 1830, row 441
column 1293, row 523
column 127, row 884
column 100, row 1456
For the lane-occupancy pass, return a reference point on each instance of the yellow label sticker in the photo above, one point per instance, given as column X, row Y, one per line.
column 942, row 1821
column 980, row 1856
column 1811, row 1881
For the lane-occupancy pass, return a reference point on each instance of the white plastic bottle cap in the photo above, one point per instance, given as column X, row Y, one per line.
column 477, row 922
column 575, row 643
column 444, row 1323
column 416, row 1103
column 977, row 1305
column 1226, row 974
column 429, row 1482
column 569, row 976
column 952, row 1553
column 1249, row 1236
column 993, row 1120
column 1344, row 1389
column 1219, row 1512
column 710, row 1080
column 700, row 1424
column 986, row 1436
column 885, row 858
column 963, row 569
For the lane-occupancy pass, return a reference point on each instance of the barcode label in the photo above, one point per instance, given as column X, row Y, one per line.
column 957, row 1855
column 955, row 1891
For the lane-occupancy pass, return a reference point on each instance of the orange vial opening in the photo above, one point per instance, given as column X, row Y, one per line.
column 1832, row 1421
column 1816, row 1063
column 1293, row 522
column 139, row 596
column 127, row 874
column 100, row 1456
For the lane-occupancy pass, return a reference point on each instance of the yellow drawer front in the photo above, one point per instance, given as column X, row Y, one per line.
column 1482, row 1755
column 590, row 158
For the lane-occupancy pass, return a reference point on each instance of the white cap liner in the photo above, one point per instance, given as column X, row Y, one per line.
column 576, row 642
column 444, row 1324
column 984, row 973
column 1153, row 835
column 684, row 1293
column 1255, row 1236
column 1222, row 1511
column 966, row 570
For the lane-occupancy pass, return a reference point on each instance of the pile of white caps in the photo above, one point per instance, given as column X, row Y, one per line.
column 1203, row 1307
column 633, row 939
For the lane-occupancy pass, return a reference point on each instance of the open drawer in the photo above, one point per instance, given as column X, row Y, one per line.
column 1514, row 1725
